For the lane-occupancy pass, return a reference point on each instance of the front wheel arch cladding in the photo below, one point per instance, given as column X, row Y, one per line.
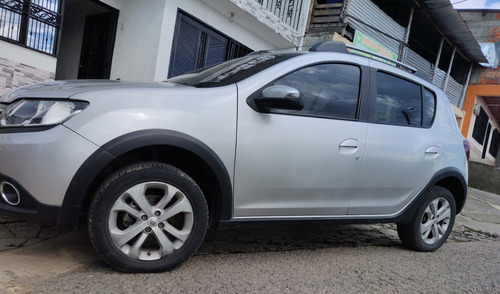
column 92, row 167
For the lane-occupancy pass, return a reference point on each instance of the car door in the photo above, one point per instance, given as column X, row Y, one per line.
column 403, row 152
column 300, row 163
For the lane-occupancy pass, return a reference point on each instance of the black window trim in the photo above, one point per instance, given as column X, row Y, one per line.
column 373, row 100
column 361, row 93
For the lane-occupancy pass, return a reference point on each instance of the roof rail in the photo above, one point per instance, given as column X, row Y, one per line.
column 341, row 47
column 330, row 46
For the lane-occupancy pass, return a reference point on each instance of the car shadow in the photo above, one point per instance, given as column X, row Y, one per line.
column 297, row 236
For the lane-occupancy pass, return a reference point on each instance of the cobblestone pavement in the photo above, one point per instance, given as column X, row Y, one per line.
column 16, row 234
column 247, row 257
column 479, row 220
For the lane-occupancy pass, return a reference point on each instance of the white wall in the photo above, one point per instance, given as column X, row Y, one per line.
column 114, row 3
column 27, row 56
column 138, row 40
column 146, row 31
column 70, row 46
column 144, row 37
column 245, row 29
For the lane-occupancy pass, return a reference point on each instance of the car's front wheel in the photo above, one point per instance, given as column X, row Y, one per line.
column 147, row 217
column 432, row 222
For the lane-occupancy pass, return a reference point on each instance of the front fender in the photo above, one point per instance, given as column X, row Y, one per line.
column 92, row 167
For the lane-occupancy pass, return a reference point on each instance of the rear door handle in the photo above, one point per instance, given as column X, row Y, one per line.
column 432, row 152
column 349, row 146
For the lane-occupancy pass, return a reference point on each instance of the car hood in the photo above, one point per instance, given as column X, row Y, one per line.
column 66, row 89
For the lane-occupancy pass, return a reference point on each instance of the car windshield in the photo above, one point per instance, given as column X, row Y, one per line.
column 231, row 71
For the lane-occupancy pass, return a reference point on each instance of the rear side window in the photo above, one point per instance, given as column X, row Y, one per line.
column 429, row 107
column 401, row 102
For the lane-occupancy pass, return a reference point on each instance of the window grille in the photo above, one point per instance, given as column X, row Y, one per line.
column 32, row 23
column 288, row 11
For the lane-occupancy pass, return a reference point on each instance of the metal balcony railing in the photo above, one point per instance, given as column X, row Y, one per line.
column 288, row 11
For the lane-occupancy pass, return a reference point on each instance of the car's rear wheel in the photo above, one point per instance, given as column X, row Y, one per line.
column 432, row 222
column 147, row 217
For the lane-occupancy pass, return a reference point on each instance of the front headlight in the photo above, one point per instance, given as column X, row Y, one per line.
column 36, row 113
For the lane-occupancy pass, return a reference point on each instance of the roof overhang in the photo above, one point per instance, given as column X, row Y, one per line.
column 454, row 28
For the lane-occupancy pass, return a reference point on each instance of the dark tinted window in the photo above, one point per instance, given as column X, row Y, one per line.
column 326, row 90
column 480, row 126
column 231, row 71
column 495, row 143
column 398, row 102
column 428, row 108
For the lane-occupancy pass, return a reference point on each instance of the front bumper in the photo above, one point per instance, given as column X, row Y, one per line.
column 28, row 208
column 40, row 166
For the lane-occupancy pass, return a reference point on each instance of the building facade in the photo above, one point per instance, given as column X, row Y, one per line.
column 137, row 40
column 482, row 104
column 42, row 40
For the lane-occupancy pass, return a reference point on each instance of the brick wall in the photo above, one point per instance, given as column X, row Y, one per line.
column 14, row 75
column 489, row 76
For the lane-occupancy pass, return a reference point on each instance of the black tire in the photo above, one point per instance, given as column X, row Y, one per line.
column 155, row 235
column 428, row 231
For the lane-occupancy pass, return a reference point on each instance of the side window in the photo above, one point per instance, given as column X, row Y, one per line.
column 326, row 90
column 399, row 101
column 429, row 108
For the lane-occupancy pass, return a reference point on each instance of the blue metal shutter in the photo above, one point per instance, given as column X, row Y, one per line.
column 196, row 45
column 185, row 48
column 216, row 47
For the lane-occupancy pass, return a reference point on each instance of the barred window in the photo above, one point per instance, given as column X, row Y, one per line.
column 32, row 23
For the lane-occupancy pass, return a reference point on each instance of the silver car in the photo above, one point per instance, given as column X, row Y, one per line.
column 272, row 136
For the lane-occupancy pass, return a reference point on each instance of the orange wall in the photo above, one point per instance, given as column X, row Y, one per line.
column 472, row 92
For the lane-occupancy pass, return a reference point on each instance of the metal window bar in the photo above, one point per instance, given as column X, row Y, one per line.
column 10, row 24
column 288, row 11
column 33, row 23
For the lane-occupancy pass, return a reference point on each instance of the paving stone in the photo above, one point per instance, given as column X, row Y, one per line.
column 4, row 247
column 24, row 229
column 5, row 233
column 31, row 242
column 5, row 219
column 50, row 232
column 260, row 239
column 12, row 242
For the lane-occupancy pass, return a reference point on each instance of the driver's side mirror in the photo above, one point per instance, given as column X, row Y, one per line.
column 277, row 97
